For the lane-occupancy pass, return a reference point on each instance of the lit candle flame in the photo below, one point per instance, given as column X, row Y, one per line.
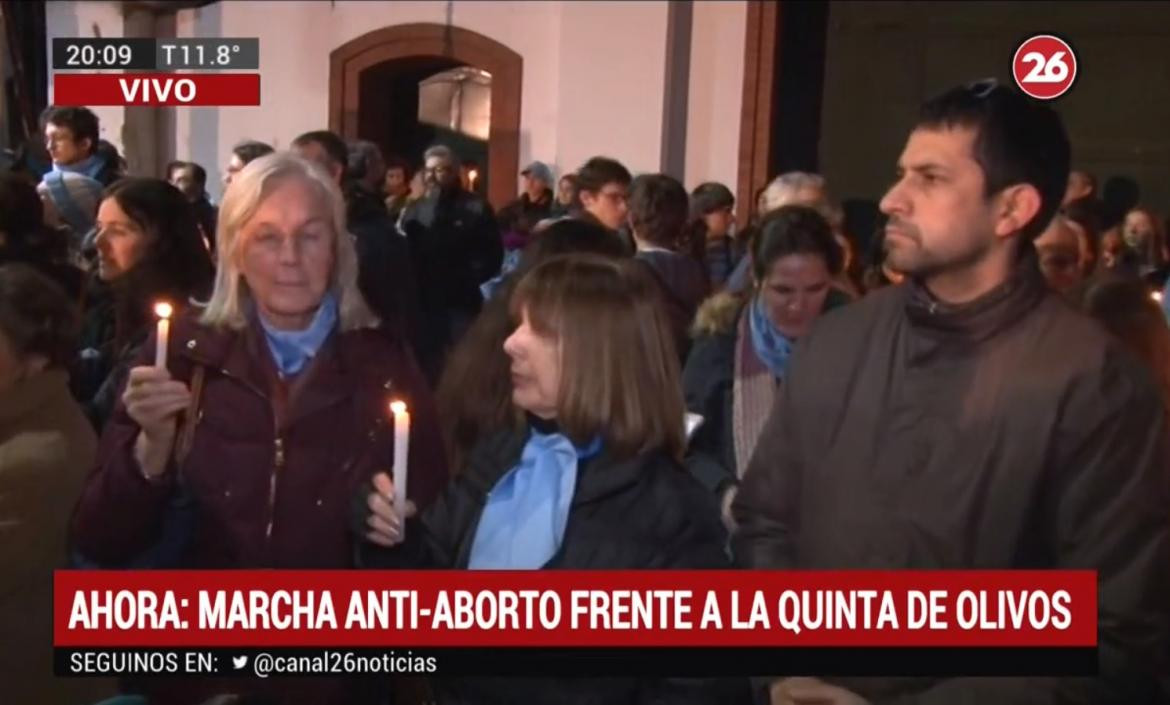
column 398, row 407
column 163, row 310
column 1156, row 296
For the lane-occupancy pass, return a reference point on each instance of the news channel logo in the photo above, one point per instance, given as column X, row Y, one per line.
column 1044, row 66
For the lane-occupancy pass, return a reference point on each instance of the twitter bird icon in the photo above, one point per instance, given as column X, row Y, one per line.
column 239, row 661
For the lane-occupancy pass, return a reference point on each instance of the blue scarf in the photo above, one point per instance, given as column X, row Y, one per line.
column 770, row 345
column 523, row 522
column 291, row 350
column 90, row 166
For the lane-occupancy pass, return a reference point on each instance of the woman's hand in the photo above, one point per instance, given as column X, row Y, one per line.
column 384, row 526
column 154, row 400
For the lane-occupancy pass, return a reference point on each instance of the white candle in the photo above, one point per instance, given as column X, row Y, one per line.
column 163, row 310
column 401, row 448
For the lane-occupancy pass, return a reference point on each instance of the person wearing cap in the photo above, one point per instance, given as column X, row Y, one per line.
column 537, row 200
column 71, row 200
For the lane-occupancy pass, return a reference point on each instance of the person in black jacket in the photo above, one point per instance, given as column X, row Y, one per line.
column 658, row 218
column 456, row 246
column 587, row 477
column 742, row 342
column 149, row 250
column 385, row 276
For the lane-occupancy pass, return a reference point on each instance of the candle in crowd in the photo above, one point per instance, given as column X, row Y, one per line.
column 401, row 449
column 163, row 310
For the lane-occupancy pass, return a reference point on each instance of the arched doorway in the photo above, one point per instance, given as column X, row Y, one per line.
column 409, row 51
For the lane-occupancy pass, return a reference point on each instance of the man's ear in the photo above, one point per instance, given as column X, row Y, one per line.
column 1016, row 207
column 87, row 145
column 588, row 198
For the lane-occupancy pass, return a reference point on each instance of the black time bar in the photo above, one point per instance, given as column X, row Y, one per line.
column 151, row 54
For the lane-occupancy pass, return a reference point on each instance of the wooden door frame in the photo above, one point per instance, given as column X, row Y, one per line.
column 348, row 61
column 757, row 113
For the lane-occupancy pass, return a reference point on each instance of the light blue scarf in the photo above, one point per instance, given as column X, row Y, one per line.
column 771, row 346
column 90, row 166
column 523, row 522
column 292, row 350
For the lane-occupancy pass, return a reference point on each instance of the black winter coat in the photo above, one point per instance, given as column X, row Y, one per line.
column 641, row 513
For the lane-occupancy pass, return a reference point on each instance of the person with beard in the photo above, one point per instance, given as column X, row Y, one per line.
column 149, row 249
column 191, row 180
column 971, row 418
column 385, row 277
column 456, row 246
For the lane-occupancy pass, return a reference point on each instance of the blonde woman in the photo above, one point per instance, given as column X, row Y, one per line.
column 272, row 408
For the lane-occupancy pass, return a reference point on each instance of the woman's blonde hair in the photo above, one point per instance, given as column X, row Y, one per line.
column 619, row 369
column 229, row 302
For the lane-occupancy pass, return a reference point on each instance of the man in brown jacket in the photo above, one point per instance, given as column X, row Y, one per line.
column 970, row 419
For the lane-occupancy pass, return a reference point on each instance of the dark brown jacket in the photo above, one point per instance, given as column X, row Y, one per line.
column 271, row 471
column 1010, row 432
column 272, row 467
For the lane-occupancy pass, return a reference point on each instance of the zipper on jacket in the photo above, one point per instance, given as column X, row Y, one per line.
column 277, row 464
column 277, row 458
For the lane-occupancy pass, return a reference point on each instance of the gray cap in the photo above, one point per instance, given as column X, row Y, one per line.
column 539, row 170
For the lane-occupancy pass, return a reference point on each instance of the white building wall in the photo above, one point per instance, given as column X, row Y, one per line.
column 715, row 92
column 593, row 78
column 89, row 20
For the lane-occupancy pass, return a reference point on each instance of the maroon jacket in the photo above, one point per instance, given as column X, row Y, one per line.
column 273, row 466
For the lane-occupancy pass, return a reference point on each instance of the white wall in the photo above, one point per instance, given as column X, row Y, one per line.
column 715, row 92
column 612, row 83
column 593, row 77
column 88, row 19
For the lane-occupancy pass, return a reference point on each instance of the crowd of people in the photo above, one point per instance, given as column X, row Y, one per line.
column 607, row 373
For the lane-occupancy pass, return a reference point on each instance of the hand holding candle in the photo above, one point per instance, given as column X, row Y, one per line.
column 163, row 310
column 401, row 450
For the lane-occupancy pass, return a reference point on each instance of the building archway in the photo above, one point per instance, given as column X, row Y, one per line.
column 441, row 45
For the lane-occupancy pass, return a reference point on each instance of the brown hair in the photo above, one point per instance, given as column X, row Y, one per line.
column 474, row 394
column 36, row 317
column 619, row 372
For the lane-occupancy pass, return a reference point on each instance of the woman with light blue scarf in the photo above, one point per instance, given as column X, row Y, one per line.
column 742, row 343
column 589, row 476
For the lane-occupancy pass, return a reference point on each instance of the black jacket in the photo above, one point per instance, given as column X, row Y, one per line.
column 455, row 246
column 1009, row 432
column 385, row 272
column 641, row 513
column 708, row 381
column 683, row 284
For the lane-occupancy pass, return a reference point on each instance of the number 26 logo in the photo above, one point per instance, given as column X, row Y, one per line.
column 1044, row 66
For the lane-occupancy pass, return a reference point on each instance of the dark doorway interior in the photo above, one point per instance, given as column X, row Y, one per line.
column 388, row 115
column 799, row 83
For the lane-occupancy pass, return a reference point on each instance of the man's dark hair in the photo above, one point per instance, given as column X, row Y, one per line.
column 251, row 150
column 658, row 209
column 333, row 145
column 397, row 162
column 197, row 171
column 82, row 122
column 794, row 230
column 599, row 171
column 360, row 154
column 36, row 316
column 1017, row 141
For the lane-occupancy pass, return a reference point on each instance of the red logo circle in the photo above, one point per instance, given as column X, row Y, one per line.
column 1044, row 66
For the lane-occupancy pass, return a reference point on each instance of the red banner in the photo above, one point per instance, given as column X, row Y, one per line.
column 575, row 608
column 156, row 89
